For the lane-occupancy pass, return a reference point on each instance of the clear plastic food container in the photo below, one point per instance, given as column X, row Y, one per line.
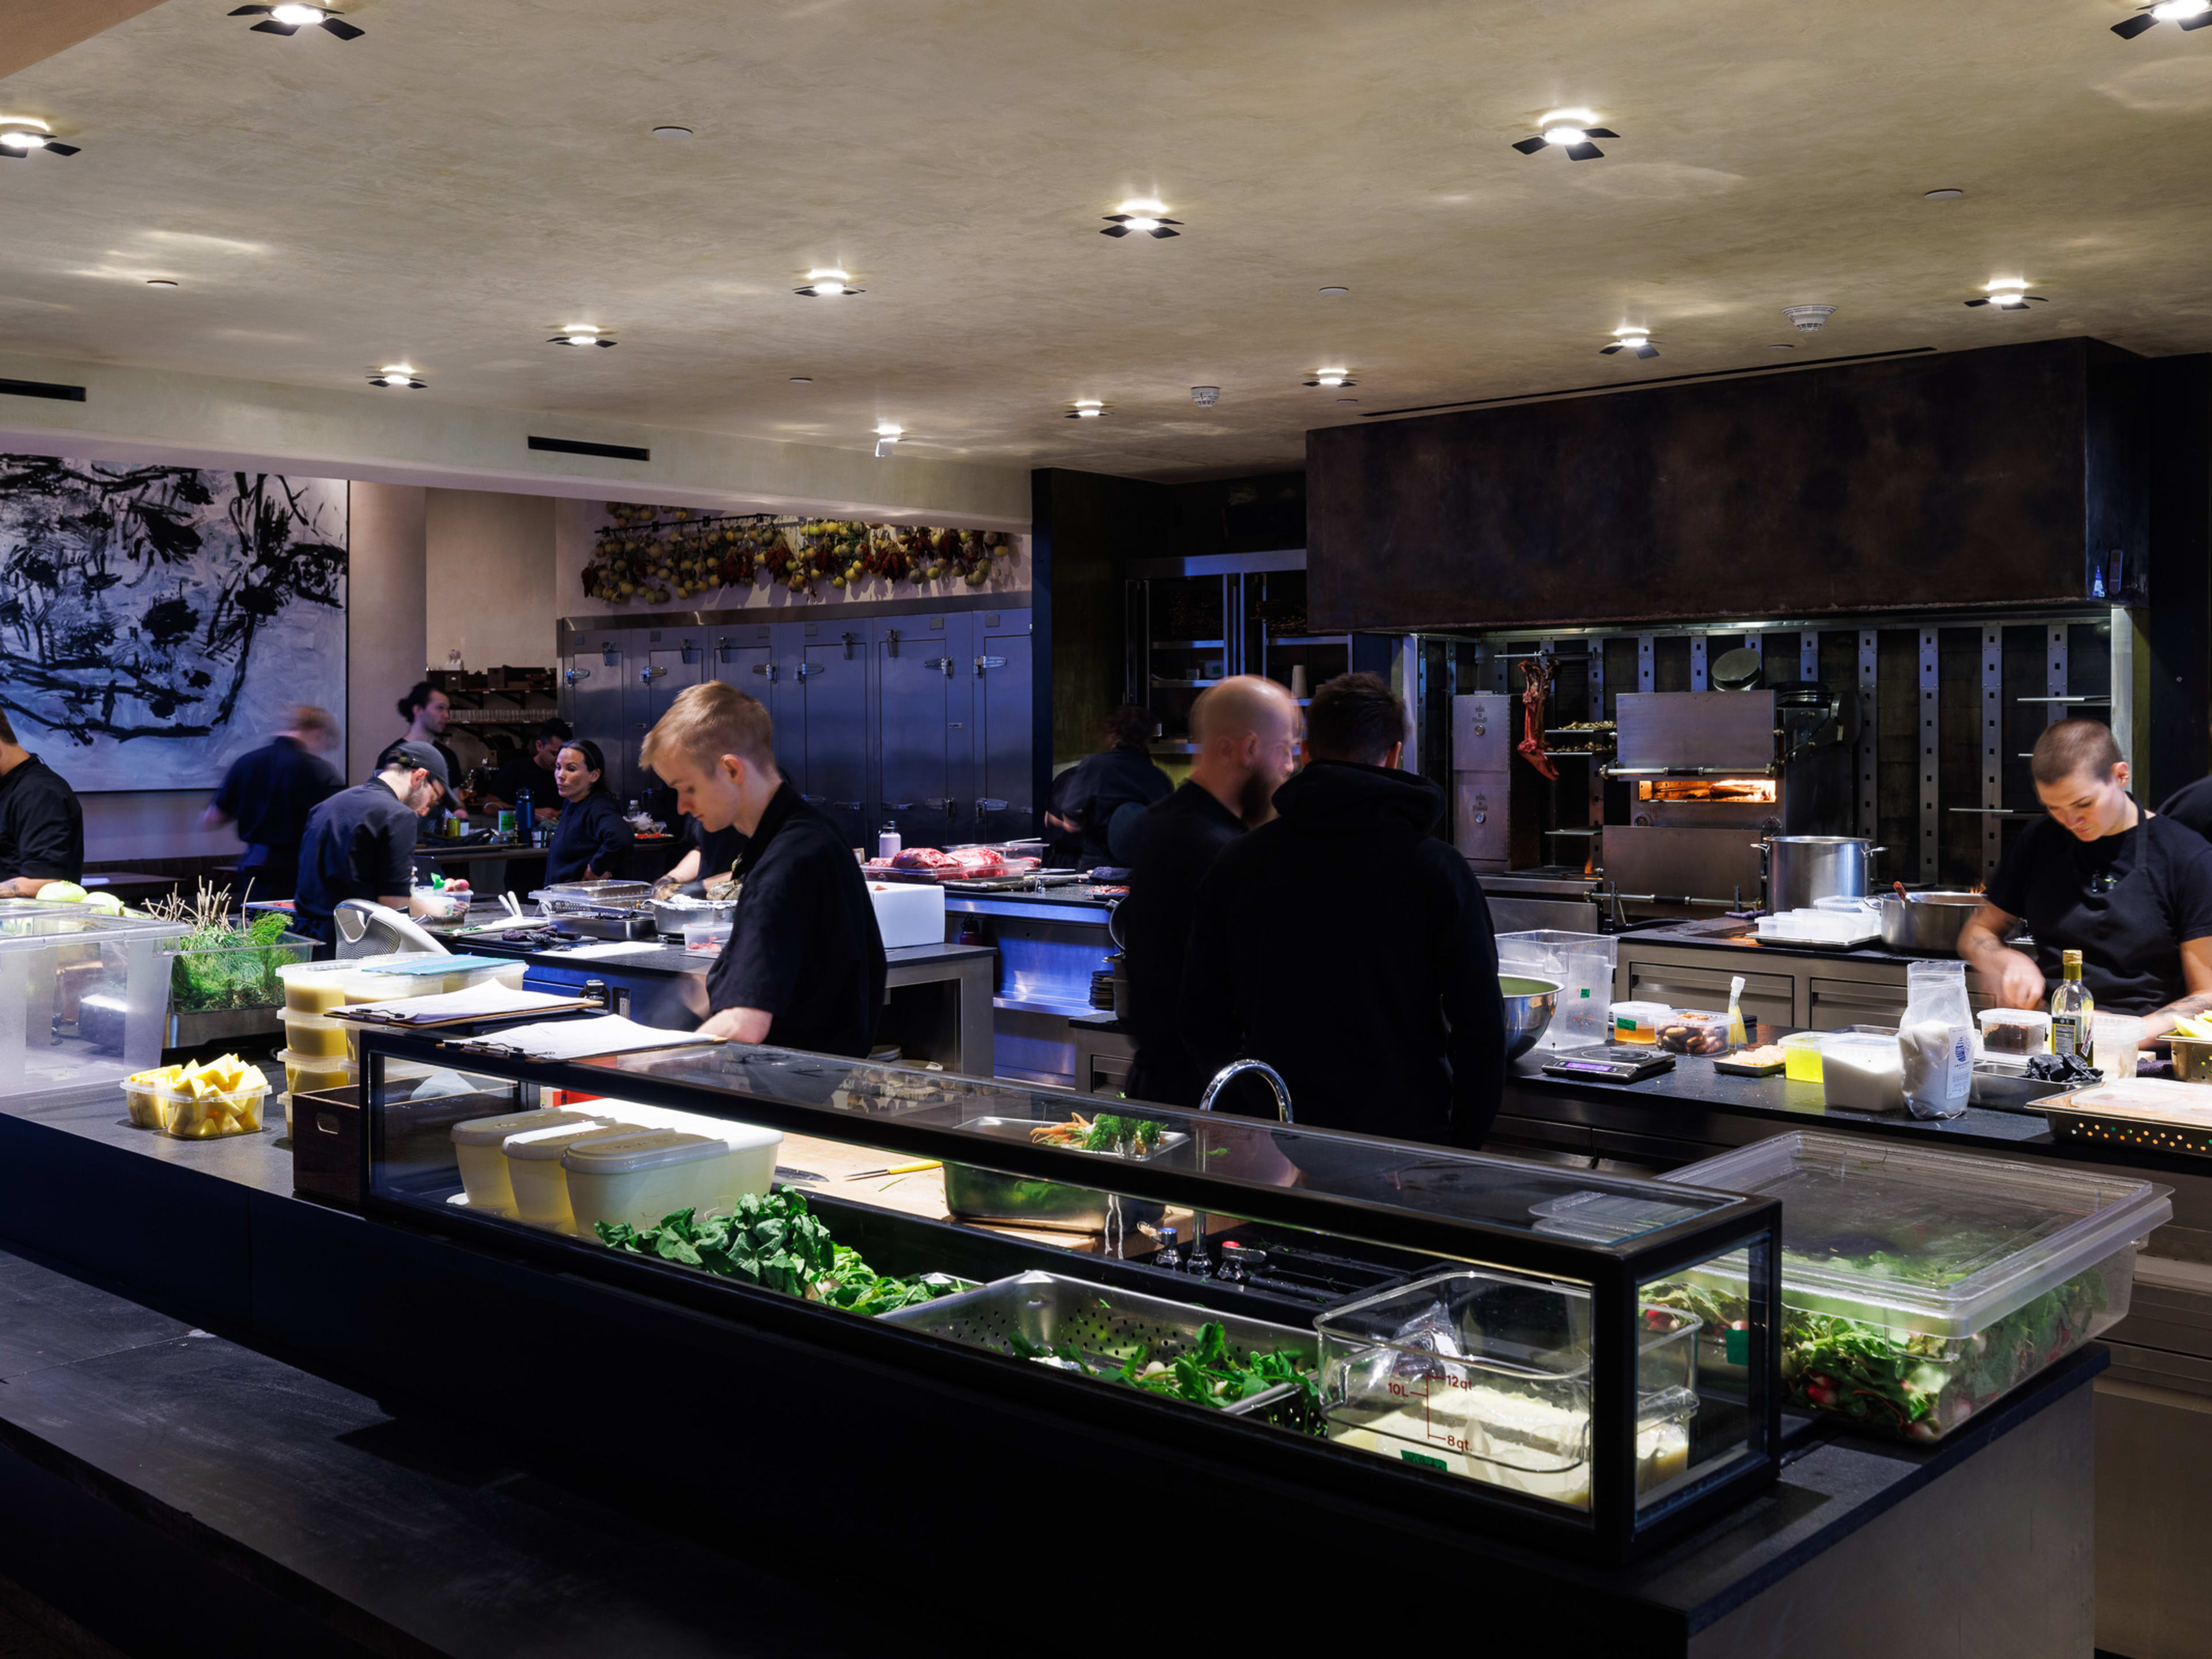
column 438, row 904
column 1861, row 1072
column 479, row 1148
column 1638, row 1022
column 312, row 1073
column 2014, row 1030
column 1801, row 1053
column 141, row 1099
column 639, row 1179
column 1487, row 1374
column 536, row 1177
column 1830, row 927
column 1919, row 1286
column 1582, row 966
column 323, row 987
column 706, row 939
column 203, row 1117
column 84, row 999
column 1693, row 1032
column 315, row 1037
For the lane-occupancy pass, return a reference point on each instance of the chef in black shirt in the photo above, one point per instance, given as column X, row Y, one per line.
column 531, row 775
column 41, row 825
column 804, row 968
column 2130, row 889
column 710, row 856
column 1246, row 730
column 360, row 843
column 591, row 838
column 268, row 794
column 1100, row 784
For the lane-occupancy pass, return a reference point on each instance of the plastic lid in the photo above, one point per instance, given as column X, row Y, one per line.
column 1949, row 1241
column 492, row 1131
column 1654, row 1010
column 318, row 1062
column 552, row 1143
column 2014, row 1016
column 1807, row 1040
column 628, row 1154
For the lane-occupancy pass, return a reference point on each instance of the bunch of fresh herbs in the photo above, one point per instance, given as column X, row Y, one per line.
column 777, row 1243
column 220, row 963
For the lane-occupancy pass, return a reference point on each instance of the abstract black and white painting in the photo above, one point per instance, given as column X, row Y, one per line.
column 155, row 621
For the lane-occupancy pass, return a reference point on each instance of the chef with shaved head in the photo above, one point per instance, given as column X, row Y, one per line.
column 1246, row 731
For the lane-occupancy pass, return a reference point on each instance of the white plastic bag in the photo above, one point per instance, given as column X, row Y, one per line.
column 1937, row 1039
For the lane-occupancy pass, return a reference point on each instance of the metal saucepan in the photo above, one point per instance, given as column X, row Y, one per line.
column 1926, row 924
column 1801, row 870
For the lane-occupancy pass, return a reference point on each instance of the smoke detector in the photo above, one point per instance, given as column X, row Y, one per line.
column 1206, row 396
column 1806, row 320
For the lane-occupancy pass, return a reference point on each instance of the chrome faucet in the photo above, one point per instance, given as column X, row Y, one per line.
column 1197, row 1262
column 1275, row 1081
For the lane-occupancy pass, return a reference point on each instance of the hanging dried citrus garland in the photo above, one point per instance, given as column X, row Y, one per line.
column 655, row 555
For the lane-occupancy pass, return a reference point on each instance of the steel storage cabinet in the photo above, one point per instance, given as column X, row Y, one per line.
column 1515, row 1378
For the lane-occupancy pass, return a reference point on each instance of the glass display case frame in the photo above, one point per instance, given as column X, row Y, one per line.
column 1609, row 1238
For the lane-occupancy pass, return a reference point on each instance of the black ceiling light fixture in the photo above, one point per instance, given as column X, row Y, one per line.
column 290, row 17
column 2008, row 294
column 2185, row 14
column 19, row 135
column 582, row 334
column 1638, row 340
column 1142, row 215
column 1332, row 377
column 1570, row 129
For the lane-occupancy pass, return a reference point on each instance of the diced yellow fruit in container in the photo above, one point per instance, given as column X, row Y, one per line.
column 641, row 1179
column 204, row 1117
column 534, row 1172
column 479, row 1148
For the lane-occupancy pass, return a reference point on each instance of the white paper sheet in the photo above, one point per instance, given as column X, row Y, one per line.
column 489, row 1000
column 587, row 1039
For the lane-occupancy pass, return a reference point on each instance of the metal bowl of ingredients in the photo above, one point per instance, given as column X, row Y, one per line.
column 671, row 916
column 1926, row 924
column 1528, row 1006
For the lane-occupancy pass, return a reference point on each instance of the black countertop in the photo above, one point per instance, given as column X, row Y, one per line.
column 436, row 1540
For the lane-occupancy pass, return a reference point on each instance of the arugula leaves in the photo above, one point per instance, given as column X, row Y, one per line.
column 777, row 1243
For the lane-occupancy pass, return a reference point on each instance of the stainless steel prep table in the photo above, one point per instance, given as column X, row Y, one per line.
column 938, row 997
column 2154, row 1406
column 1050, row 942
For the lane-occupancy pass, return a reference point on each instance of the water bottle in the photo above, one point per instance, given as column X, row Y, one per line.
column 888, row 842
column 525, row 821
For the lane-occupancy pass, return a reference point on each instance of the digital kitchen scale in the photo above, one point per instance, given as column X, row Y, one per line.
column 1615, row 1062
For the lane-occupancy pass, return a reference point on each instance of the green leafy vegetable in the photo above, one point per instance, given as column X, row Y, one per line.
column 1207, row 1374
column 777, row 1243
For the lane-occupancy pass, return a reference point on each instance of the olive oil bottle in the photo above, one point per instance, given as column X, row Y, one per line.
column 2071, row 1006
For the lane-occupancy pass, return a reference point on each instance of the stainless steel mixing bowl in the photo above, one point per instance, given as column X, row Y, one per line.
column 1528, row 1005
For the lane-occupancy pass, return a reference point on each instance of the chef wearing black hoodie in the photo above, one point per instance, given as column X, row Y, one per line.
column 1347, row 947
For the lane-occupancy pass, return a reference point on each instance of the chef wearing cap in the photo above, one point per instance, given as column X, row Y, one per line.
column 360, row 843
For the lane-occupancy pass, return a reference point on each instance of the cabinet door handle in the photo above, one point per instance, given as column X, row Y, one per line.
column 575, row 674
column 846, row 806
column 808, row 670
column 983, row 806
column 767, row 668
column 945, row 806
column 649, row 674
column 982, row 663
column 813, row 800
column 900, row 806
column 942, row 664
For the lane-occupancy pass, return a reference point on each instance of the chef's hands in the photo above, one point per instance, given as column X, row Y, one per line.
column 738, row 1025
column 2014, row 980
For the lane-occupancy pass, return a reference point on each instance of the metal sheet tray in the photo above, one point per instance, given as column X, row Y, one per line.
column 975, row 1195
column 1107, row 1325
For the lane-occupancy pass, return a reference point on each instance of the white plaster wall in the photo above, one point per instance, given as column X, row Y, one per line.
column 386, row 641
column 489, row 578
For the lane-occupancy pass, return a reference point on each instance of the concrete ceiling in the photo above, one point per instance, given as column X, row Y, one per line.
column 465, row 177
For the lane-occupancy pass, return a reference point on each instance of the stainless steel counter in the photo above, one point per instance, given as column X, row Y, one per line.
column 1793, row 986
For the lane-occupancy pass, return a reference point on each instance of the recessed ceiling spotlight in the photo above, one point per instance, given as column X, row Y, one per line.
column 1085, row 409
column 2188, row 14
column 1808, row 319
column 2008, row 294
column 1347, row 400
column 1333, row 377
column 827, row 285
column 398, row 375
column 20, row 134
column 1206, row 396
column 582, row 334
column 888, row 434
column 1630, row 339
column 1570, row 129
column 671, row 132
column 1336, row 290
column 290, row 18
column 1784, row 345
column 1944, row 195
column 160, row 282
column 802, row 379
column 1143, row 215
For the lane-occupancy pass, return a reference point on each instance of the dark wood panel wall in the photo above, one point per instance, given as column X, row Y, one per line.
column 1964, row 478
